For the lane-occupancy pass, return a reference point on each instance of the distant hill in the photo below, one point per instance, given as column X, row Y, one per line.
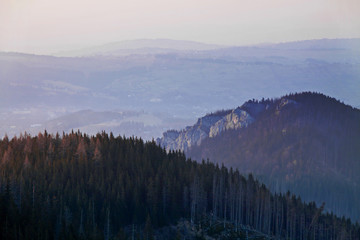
column 162, row 46
column 320, row 44
column 307, row 143
column 140, row 46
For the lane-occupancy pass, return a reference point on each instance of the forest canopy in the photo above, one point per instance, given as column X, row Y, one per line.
column 75, row 186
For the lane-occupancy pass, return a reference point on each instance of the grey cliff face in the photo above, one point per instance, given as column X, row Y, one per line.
column 236, row 119
column 207, row 126
column 191, row 135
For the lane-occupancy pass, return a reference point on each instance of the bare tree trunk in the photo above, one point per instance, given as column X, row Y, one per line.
column 225, row 204
column 215, row 198
column 194, row 199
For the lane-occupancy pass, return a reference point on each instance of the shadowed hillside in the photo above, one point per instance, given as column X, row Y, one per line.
column 307, row 143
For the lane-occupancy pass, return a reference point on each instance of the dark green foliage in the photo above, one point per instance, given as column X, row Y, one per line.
column 307, row 143
column 106, row 187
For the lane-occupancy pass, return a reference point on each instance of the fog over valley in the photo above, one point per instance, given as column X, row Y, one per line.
column 145, row 87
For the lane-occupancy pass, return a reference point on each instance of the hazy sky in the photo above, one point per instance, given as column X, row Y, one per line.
column 43, row 26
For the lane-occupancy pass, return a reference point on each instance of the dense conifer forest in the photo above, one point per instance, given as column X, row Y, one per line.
column 76, row 186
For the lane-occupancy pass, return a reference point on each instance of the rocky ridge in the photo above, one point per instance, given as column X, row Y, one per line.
column 213, row 124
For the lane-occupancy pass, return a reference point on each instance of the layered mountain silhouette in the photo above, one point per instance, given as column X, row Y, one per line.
column 307, row 143
column 178, row 79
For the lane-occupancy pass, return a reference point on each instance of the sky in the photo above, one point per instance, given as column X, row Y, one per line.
column 45, row 26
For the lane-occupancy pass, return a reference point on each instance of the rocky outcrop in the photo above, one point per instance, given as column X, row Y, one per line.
column 214, row 124
column 236, row 119
column 208, row 126
column 191, row 135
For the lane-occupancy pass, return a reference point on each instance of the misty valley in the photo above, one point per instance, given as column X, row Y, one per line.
column 164, row 139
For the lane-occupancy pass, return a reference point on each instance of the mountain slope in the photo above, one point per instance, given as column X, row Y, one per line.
column 106, row 187
column 307, row 143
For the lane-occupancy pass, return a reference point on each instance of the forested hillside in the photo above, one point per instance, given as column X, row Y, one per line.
column 76, row 186
column 307, row 143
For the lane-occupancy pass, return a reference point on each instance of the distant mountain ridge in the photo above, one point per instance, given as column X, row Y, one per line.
column 341, row 43
column 164, row 46
column 307, row 143
column 141, row 46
